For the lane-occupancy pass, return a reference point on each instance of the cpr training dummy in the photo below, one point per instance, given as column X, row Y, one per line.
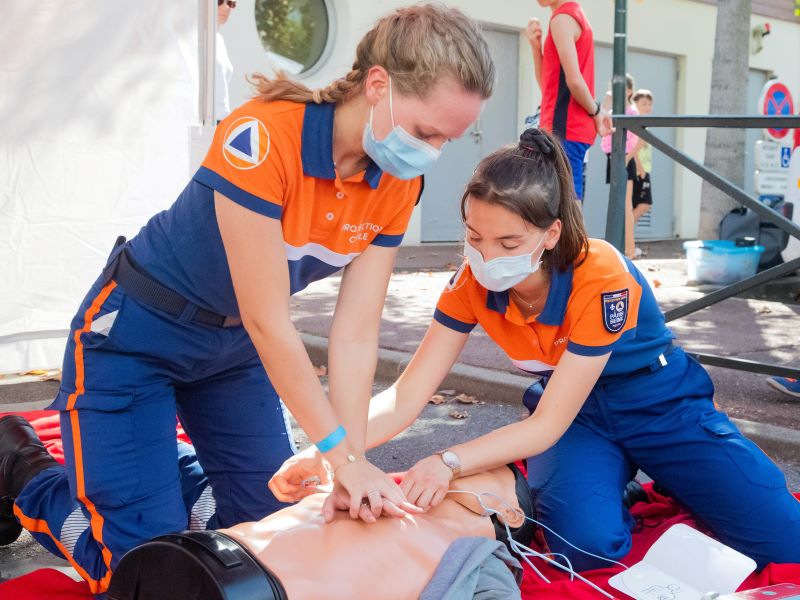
column 293, row 554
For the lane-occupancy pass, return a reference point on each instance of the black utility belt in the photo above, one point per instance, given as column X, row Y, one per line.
column 140, row 286
column 659, row 363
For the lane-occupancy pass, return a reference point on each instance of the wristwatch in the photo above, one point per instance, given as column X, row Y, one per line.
column 596, row 112
column 451, row 459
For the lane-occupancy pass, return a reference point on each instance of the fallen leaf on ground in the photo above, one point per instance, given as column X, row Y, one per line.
column 764, row 310
column 656, row 283
column 321, row 370
column 459, row 414
column 36, row 372
column 447, row 392
column 464, row 399
column 652, row 268
column 437, row 399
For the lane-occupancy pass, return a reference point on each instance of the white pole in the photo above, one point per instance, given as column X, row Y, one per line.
column 208, row 49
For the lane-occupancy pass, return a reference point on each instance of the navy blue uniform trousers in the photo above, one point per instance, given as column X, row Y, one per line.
column 126, row 478
column 665, row 423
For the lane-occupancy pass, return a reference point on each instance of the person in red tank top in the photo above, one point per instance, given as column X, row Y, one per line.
column 564, row 68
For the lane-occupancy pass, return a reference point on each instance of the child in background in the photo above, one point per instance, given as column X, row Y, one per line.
column 643, row 157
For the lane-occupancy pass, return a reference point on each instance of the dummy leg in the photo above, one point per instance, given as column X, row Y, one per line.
column 700, row 456
column 237, row 426
column 577, row 489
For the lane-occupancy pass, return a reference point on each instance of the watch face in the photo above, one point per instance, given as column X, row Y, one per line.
column 451, row 460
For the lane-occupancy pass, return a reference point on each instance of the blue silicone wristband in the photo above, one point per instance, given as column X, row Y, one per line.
column 333, row 440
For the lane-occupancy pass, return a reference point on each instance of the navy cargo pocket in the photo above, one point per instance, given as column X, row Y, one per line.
column 100, row 449
column 756, row 466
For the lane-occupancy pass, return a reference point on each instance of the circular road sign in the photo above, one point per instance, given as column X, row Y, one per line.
column 776, row 100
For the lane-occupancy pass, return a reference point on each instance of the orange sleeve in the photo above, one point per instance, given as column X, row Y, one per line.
column 454, row 309
column 244, row 162
column 607, row 314
column 392, row 234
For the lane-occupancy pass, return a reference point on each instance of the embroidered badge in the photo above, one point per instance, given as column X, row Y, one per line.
column 615, row 310
column 246, row 143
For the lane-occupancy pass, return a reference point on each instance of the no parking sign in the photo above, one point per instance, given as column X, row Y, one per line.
column 776, row 100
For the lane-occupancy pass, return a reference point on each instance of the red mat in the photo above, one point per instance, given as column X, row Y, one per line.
column 657, row 515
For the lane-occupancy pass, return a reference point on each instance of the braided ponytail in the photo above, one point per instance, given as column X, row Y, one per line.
column 283, row 88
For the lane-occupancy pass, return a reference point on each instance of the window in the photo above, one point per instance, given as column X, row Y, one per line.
column 295, row 33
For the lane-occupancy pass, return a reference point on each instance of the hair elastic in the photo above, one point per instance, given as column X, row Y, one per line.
column 332, row 440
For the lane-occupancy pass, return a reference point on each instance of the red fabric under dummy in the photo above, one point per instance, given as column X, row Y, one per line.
column 657, row 515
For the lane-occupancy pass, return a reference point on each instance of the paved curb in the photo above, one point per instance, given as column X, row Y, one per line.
column 499, row 386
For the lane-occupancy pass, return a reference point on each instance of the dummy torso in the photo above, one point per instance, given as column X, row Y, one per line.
column 392, row 559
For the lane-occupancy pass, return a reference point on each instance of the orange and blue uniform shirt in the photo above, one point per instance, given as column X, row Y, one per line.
column 651, row 409
column 602, row 304
column 125, row 482
column 276, row 159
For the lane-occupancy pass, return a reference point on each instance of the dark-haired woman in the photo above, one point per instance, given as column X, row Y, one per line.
column 615, row 393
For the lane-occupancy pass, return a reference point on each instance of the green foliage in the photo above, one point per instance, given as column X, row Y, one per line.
column 286, row 27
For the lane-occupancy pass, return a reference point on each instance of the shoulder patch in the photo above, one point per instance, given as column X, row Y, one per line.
column 615, row 310
column 246, row 143
column 456, row 279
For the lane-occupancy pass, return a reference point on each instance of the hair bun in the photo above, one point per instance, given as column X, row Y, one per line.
column 536, row 140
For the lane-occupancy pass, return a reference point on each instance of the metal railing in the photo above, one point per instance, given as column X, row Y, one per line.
column 615, row 227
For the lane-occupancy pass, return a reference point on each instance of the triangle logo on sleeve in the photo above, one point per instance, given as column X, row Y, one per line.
column 615, row 310
column 246, row 143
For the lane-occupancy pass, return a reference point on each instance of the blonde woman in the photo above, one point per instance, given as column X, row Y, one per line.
column 193, row 313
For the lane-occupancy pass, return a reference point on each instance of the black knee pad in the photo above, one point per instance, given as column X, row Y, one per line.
column 193, row 565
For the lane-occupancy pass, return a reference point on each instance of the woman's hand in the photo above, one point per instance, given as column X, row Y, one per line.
column 367, row 492
column 427, row 482
column 534, row 34
column 300, row 475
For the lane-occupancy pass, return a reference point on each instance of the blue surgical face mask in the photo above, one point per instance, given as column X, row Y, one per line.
column 399, row 153
column 503, row 272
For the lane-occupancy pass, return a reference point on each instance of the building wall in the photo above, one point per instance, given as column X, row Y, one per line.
column 680, row 28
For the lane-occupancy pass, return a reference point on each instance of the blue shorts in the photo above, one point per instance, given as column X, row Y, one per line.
column 576, row 154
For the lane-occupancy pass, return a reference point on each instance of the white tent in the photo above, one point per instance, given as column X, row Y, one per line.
column 96, row 103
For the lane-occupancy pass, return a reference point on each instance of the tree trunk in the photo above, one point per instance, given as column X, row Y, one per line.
column 725, row 147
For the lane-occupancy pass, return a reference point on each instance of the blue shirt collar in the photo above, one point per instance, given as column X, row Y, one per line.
column 555, row 307
column 317, row 145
